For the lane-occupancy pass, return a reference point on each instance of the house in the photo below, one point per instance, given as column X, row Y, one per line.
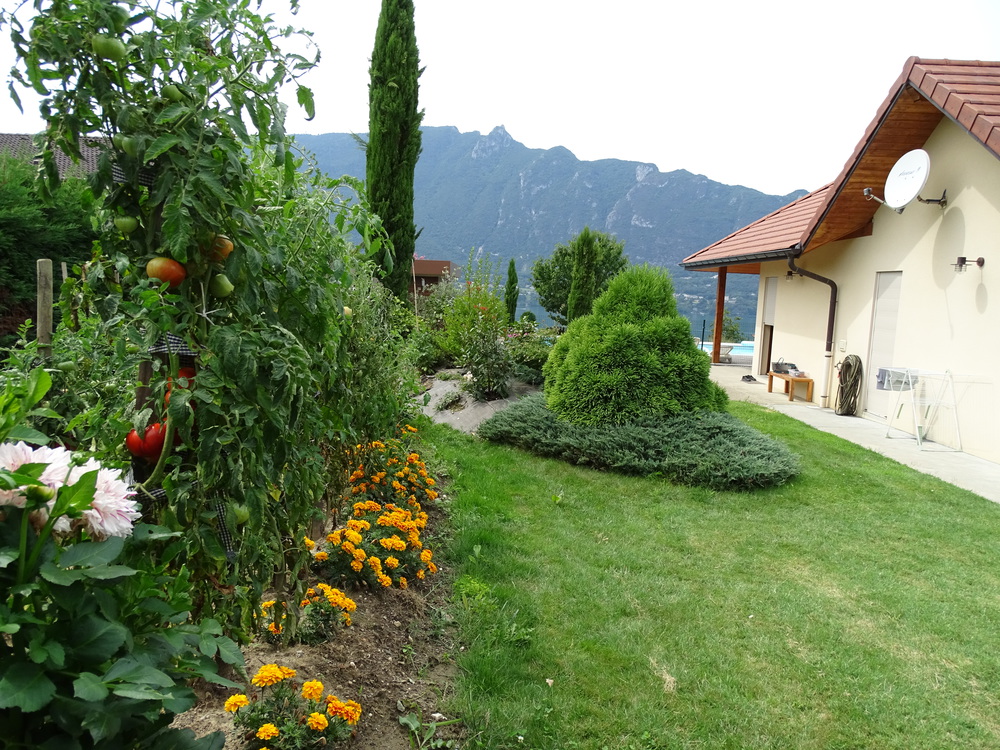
column 906, row 289
column 427, row 273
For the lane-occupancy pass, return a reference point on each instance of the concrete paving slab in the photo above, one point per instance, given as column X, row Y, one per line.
column 955, row 467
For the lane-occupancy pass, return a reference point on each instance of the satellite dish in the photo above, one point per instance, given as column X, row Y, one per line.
column 907, row 178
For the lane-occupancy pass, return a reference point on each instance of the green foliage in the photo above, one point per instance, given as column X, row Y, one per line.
column 632, row 358
column 511, row 292
column 31, row 229
column 280, row 356
column 475, row 324
column 583, row 282
column 553, row 277
column 97, row 644
column 529, row 349
column 731, row 330
column 700, row 449
column 394, row 137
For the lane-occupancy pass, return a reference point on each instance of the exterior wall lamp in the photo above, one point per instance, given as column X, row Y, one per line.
column 961, row 264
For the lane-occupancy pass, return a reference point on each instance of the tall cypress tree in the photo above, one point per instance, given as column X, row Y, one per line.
column 511, row 292
column 394, row 137
column 583, row 287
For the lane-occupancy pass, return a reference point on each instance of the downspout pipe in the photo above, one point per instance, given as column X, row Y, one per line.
column 831, row 318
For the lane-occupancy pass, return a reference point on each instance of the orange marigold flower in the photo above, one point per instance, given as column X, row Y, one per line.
column 236, row 702
column 287, row 672
column 430, row 482
column 312, row 690
column 321, row 556
column 432, row 567
column 385, row 580
column 352, row 536
column 269, row 674
column 420, row 573
column 359, row 555
column 267, row 732
column 426, row 555
column 317, row 721
column 403, row 583
column 275, row 629
column 357, row 566
column 267, row 604
column 334, row 538
column 349, row 711
column 391, row 563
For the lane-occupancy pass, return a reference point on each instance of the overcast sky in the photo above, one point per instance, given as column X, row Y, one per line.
column 772, row 94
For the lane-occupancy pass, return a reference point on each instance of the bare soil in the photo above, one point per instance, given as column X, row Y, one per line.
column 398, row 652
column 400, row 649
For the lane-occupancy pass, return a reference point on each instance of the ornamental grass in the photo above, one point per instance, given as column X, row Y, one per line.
column 286, row 715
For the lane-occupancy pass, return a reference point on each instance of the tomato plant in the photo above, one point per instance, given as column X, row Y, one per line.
column 274, row 407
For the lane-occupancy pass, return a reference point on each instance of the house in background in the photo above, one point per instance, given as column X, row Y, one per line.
column 910, row 292
column 428, row 273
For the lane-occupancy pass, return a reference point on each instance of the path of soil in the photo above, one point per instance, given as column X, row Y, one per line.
column 399, row 650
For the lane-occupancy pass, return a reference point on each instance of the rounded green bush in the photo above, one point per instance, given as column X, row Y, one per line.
column 632, row 358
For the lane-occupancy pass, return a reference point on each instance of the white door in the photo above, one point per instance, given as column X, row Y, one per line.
column 885, row 315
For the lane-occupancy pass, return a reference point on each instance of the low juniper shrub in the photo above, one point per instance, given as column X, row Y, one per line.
column 700, row 449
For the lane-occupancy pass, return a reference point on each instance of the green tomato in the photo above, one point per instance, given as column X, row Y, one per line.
column 130, row 145
column 67, row 366
column 126, row 224
column 172, row 92
column 119, row 19
column 109, row 48
column 241, row 514
column 220, row 286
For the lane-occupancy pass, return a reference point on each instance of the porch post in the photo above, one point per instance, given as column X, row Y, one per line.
column 720, row 306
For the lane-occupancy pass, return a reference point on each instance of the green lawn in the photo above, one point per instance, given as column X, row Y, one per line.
column 856, row 607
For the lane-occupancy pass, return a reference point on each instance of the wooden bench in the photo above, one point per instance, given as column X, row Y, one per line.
column 790, row 381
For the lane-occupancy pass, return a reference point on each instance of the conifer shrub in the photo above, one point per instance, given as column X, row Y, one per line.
column 710, row 449
column 631, row 359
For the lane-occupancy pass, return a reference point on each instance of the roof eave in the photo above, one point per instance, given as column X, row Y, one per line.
column 732, row 260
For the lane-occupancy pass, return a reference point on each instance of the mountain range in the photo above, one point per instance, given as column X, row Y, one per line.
column 492, row 194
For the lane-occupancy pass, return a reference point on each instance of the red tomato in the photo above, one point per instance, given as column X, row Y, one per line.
column 183, row 372
column 134, row 444
column 166, row 270
column 150, row 445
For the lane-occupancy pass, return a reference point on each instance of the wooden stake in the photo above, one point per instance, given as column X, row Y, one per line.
column 43, row 267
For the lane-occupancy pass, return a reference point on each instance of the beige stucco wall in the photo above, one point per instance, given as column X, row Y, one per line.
column 947, row 321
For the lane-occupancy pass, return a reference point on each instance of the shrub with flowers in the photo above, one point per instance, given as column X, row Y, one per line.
column 388, row 472
column 380, row 543
column 93, row 652
column 324, row 611
column 285, row 715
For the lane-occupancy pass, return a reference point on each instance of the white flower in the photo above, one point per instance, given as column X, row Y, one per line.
column 113, row 511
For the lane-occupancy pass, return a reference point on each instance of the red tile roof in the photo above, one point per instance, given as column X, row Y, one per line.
column 967, row 92
column 22, row 144
column 769, row 238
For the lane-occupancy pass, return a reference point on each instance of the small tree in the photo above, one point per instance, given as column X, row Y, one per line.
column 511, row 292
column 582, row 286
column 394, row 137
column 632, row 358
column 553, row 276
